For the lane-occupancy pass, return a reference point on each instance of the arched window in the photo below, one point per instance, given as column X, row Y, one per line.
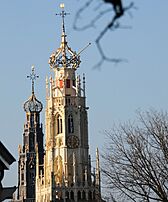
column 83, row 195
column 59, row 124
column 32, row 119
column 90, row 195
column 72, row 195
column 79, row 195
column 31, row 141
column 94, row 195
column 68, row 83
column 70, row 124
column 67, row 195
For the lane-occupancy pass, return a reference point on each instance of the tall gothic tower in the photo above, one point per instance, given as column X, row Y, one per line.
column 32, row 145
column 67, row 163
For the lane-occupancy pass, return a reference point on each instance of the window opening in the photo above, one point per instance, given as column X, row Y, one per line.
column 90, row 195
column 79, row 195
column 59, row 124
column 83, row 195
column 70, row 124
column 74, row 82
column 32, row 120
column 72, row 195
column 67, row 195
column 68, row 83
column 22, row 177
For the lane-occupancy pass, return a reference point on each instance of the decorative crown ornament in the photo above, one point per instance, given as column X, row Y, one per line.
column 64, row 56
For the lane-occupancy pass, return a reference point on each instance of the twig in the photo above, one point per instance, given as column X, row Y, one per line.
column 119, row 11
column 103, row 32
column 92, row 22
column 77, row 16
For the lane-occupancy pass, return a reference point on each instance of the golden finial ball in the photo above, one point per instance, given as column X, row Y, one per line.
column 62, row 5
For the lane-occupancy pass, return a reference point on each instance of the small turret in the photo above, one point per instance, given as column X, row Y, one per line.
column 31, row 153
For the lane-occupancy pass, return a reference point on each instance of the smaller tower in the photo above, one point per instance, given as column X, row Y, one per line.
column 32, row 142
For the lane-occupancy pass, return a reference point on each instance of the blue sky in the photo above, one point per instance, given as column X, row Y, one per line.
column 30, row 31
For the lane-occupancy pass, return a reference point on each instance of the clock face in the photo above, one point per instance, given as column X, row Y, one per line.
column 73, row 142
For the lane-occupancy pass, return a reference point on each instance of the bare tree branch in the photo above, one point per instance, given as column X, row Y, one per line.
column 78, row 16
column 91, row 23
column 118, row 11
column 135, row 161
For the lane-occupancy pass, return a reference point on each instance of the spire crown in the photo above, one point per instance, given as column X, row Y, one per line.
column 64, row 56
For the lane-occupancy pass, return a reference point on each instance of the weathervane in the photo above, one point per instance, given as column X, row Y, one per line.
column 33, row 77
column 62, row 14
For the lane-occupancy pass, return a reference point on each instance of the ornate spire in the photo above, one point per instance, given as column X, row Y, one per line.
column 63, row 14
column 64, row 56
column 32, row 104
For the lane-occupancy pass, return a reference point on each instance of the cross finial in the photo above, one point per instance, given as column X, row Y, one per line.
column 33, row 77
column 62, row 14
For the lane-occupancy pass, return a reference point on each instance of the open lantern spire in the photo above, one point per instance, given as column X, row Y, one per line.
column 64, row 56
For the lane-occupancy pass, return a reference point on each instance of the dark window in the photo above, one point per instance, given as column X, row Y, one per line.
column 31, row 141
column 22, row 177
column 59, row 124
column 79, row 195
column 67, row 195
column 83, row 195
column 68, row 83
column 70, row 124
column 74, row 83
column 90, row 195
column 72, row 195
column 94, row 195
column 37, row 118
column 68, row 100
column 32, row 119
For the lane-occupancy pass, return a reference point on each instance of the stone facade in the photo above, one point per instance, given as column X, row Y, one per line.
column 67, row 163
column 63, row 172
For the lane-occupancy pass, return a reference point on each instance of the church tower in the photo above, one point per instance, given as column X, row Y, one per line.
column 32, row 146
column 67, row 164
